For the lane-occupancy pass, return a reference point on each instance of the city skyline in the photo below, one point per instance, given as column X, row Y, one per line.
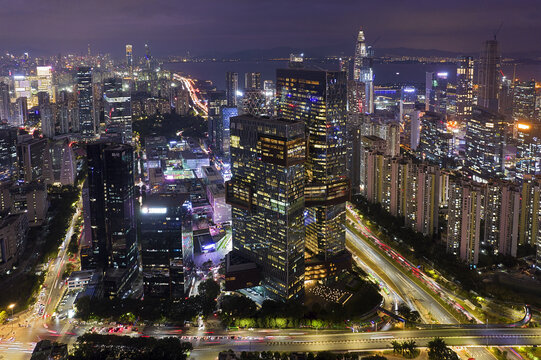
column 174, row 28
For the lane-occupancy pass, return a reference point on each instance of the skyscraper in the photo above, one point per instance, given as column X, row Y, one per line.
column 4, row 102
column 363, row 72
column 215, row 101
column 84, row 98
column 129, row 56
column 117, row 110
column 489, row 76
column 436, row 92
column 112, row 214
column 231, row 88
column 164, row 218
column 252, row 80
column 464, row 88
column 318, row 98
column 266, row 193
column 524, row 98
column 485, row 138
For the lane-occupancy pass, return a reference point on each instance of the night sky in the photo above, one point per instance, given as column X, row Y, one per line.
column 208, row 26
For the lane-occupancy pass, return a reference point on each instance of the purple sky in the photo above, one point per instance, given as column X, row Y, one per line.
column 203, row 26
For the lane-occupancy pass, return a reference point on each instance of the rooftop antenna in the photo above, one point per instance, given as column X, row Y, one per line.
column 498, row 30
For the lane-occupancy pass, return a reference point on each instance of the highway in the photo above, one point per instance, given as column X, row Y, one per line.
column 20, row 344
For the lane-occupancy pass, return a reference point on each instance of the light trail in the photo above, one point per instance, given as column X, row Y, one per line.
column 200, row 106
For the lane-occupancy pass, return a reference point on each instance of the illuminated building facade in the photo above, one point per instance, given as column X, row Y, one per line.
column 318, row 99
column 436, row 141
column 252, row 80
column 129, row 56
column 112, row 214
column 363, row 72
column 464, row 221
column 266, row 193
column 254, row 102
column 524, row 98
column 489, row 76
column 436, row 99
column 216, row 100
column 84, row 98
column 501, row 215
column 231, row 88
column 485, row 139
column 530, row 212
column 164, row 218
column 464, row 88
column 528, row 157
column 117, row 110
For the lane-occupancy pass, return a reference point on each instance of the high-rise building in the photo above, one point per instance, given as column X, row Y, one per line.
column 164, row 220
column 464, row 88
column 8, row 152
column 63, row 163
column 112, row 214
column 215, row 101
column 501, row 215
column 489, row 76
column 117, row 111
column 530, row 211
column 33, row 159
column 524, row 98
column 436, row 141
column 464, row 221
column 318, row 98
column 528, row 144
column 84, row 98
column 129, row 56
column 252, row 80
column 266, row 193
column 5, row 102
column 254, row 103
column 486, row 136
column 231, row 88
column 227, row 113
column 436, row 92
column 363, row 72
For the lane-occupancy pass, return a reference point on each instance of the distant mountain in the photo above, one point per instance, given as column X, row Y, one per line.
column 346, row 49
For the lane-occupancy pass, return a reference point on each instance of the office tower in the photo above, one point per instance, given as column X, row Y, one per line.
column 117, row 111
column 436, row 141
column 524, row 98
column 506, row 98
column 164, row 220
column 254, row 103
column 215, row 101
column 343, row 65
column 148, row 57
column 464, row 88
column 19, row 112
column 363, row 72
column 270, row 96
column 485, row 140
column 436, row 92
column 112, row 214
column 87, row 127
column 318, row 98
column 356, row 97
column 227, row 113
column 8, row 152
column 63, row 162
column 501, row 215
column 296, row 61
column 252, row 80
column 528, row 143
column 44, row 82
column 231, row 88
column 353, row 136
column 67, row 112
column 266, row 193
column 33, row 159
column 5, row 102
column 464, row 221
column 129, row 56
column 489, row 76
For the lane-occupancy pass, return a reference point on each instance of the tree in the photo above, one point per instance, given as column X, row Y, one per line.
column 438, row 350
column 238, row 306
column 409, row 348
column 397, row 347
column 374, row 357
column 208, row 290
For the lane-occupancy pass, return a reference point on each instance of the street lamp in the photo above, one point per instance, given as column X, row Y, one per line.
column 11, row 306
